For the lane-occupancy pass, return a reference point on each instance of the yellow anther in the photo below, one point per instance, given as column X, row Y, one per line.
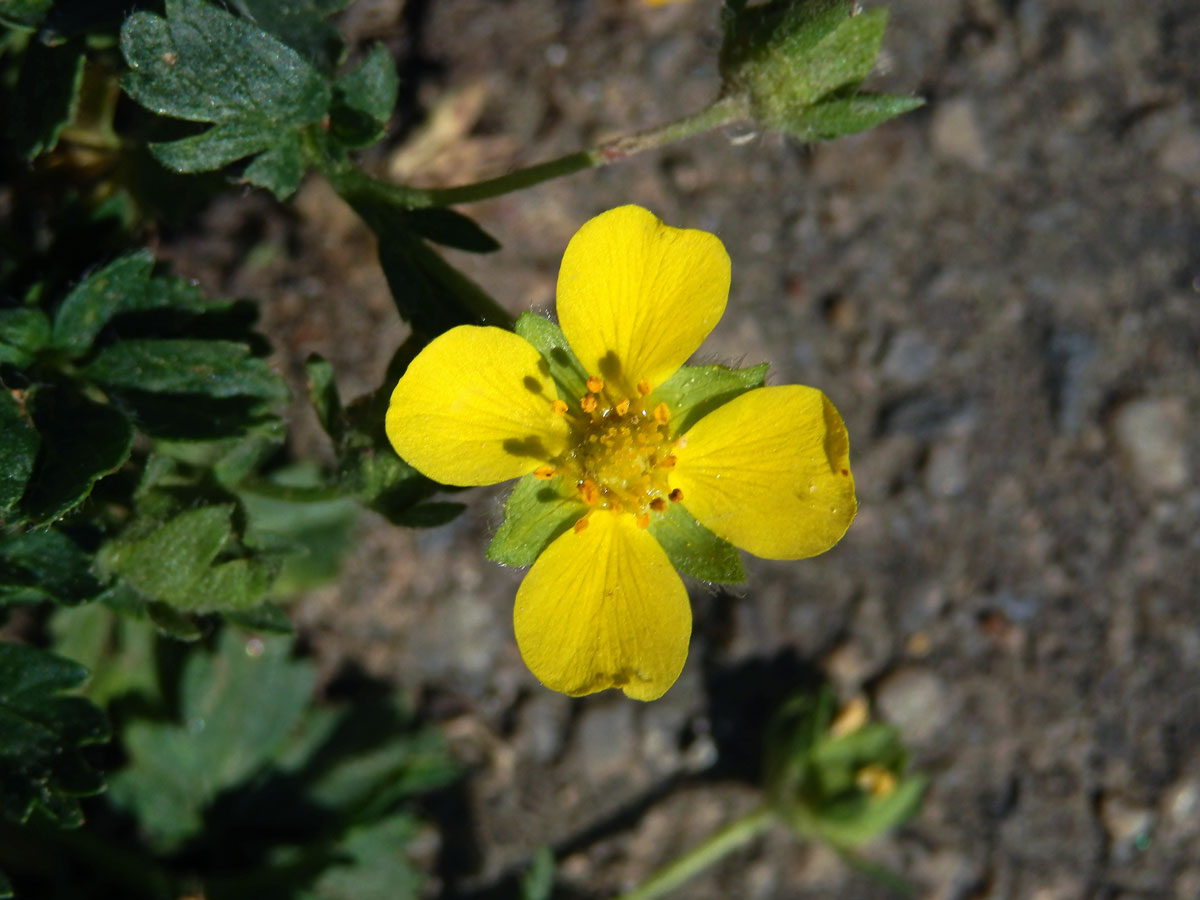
column 622, row 407
column 588, row 403
column 658, row 504
column 852, row 717
column 558, row 408
column 581, row 524
column 668, row 461
column 595, row 384
column 643, row 387
column 875, row 780
column 589, row 492
column 643, row 521
column 662, row 415
column 544, row 473
column 675, row 496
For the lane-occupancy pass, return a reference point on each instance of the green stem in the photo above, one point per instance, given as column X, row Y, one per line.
column 726, row 840
column 724, row 111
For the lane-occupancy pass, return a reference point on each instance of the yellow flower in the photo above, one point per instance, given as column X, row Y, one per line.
column 624, row 449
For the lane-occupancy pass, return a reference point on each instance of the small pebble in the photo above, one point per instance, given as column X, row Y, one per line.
column 916, row 701
column 1150, row 435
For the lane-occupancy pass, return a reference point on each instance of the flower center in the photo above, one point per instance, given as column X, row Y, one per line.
column 620, row 454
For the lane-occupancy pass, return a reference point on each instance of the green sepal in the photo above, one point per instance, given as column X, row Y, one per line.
column 839, row 116
column 81, row 442
column 535, row 514
column 45, row 97
column 363, row 100
column 695, row 391
column 40, row 736
column 562, row 364
column 694, row 550
column 23, row 332
column 208, row 368
column 19, row 442
column 202, row 64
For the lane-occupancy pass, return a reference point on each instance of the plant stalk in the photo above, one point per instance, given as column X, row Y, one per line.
column 718, row 845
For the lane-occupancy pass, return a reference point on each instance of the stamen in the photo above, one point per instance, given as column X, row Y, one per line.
column 675, row 496
column 588, row 403
column 558, row 408
column 544, row 473
column 589, row 492
column 643, row 387
column 595, row 384
column 643, row 521
column 622, row 407
column 658, row 504
column 581, row 524
column 668, row 461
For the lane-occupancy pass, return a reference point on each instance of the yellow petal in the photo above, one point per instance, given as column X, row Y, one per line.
column 603, row 608
column 636, row 297
column 770, row 472
column 474, row 407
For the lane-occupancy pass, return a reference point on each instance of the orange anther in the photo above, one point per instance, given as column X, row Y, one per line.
column 588, row 403
column 595, row 384
column 668, row 461
column 544, row 473
column 581, row 524
column 558, row 408
column 622, row 407
column 643, row 521
column 662, row 415
column 616, row 506
column 643, row 387
column 658, row 504
column 675, row 496
column 589, row 492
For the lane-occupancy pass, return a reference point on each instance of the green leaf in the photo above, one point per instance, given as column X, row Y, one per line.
column 323, row 395
column 25, row 13
column 19, row 442
column 237, row 708
column 184, row 563
column 372, row 868
column 45, row 97
column 81, row 441
column 195, row 367
column 538, row 881
column 300, row 24
column 279, row 169
column 204, row 65
column 118, row 287
column 695, row 391
column 41, row 733
column 363, row 99
column 694, row 549
column 45, row 565
column 23, row 332
column 536, row 513
column 450, row 229
column 840, row 116
column 268, row 617
column 564, row 367
column 119, row 650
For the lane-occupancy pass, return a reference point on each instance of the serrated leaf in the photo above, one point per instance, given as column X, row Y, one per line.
column 202, row 64
column 81, row 441
column 45, row 565
column 25, row 13
column 280, row 169
column 838, row 117
column 216, row 369
column 41, row 733
column 695, row 550
column 363, row 99
column 371, row 868
column 695, row 391
column 301, row 24
column 45, row 97
column 237, row 707
column 564, row 367
column 23, row 332
column 19, row 442
column 535, row 514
